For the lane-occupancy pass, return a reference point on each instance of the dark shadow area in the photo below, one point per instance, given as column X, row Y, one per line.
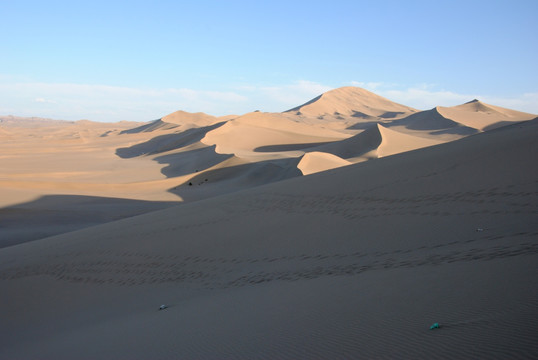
column 498, row 125
column 512, row 125
column 154, row 125
column 236, row 178
column 433, row 121
column 362, row 125
column 456, row 130
column 167, row 142
column 391, row 114
column 425, row 120
column 289, row 147
column 357, row 145
column 57, row 214
column 361, row 115
column 188, row 162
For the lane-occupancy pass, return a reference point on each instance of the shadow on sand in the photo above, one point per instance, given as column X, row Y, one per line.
column 234, row 178
column 290, row 147
column 189, row 162
column 57, row 214
column 168, row 142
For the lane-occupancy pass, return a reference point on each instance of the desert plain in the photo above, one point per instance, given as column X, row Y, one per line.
column 342, row 228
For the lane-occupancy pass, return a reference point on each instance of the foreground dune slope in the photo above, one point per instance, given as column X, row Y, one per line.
column 355, row 262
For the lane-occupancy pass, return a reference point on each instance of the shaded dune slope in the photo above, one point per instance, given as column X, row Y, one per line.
column 363, row 144
column 435, row 122
column 150, row 127
column 376, row 141
column 190, row 161
column 56, row 214
column 166, row 142
column 266, row 131
column 235, row 174
column 483, row 117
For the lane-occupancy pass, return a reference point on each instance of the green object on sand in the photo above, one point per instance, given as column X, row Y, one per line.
column 435, row 326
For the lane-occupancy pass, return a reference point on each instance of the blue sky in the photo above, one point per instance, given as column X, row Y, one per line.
column 139, row 60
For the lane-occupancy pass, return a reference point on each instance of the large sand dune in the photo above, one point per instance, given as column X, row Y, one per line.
column 355, row 102
column 354, row 262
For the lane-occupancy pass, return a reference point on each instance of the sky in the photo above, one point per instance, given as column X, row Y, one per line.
column 140, row 60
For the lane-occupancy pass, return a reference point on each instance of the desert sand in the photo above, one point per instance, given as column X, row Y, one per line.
column 343, row 228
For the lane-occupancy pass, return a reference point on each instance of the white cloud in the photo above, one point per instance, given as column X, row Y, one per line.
column 527, row 102
column 114, row 103
column 427, row 96
column 426, row 99
column 43, row 100
column 284, row 96
column 109, row 103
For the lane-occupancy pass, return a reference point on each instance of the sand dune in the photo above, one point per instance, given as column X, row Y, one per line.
column 242, row 136
column 156, row 161
column 355, row 102
column 377, row 141
column 179, row 121
column 458, row 121
column 394, row 142
column 433, row 122
column 183, row 117
column 481, row 116
column 315, row 161
column 235, row 174
column 212, row 217
column 63, row 160
column 354, row 262
column 363, row 145
column 167, row 142
column 150, row 127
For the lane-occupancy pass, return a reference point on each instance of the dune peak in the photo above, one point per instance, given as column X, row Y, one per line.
column 181, row 117
column 350, row 100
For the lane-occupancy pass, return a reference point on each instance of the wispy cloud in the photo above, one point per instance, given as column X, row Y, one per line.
column 43, row 100
column 114, row 103
column 280, row 97
column 427, row 96
column 109, row 103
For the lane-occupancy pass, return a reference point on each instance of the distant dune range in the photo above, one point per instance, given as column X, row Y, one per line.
column 191, row 156
column 405, row 218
